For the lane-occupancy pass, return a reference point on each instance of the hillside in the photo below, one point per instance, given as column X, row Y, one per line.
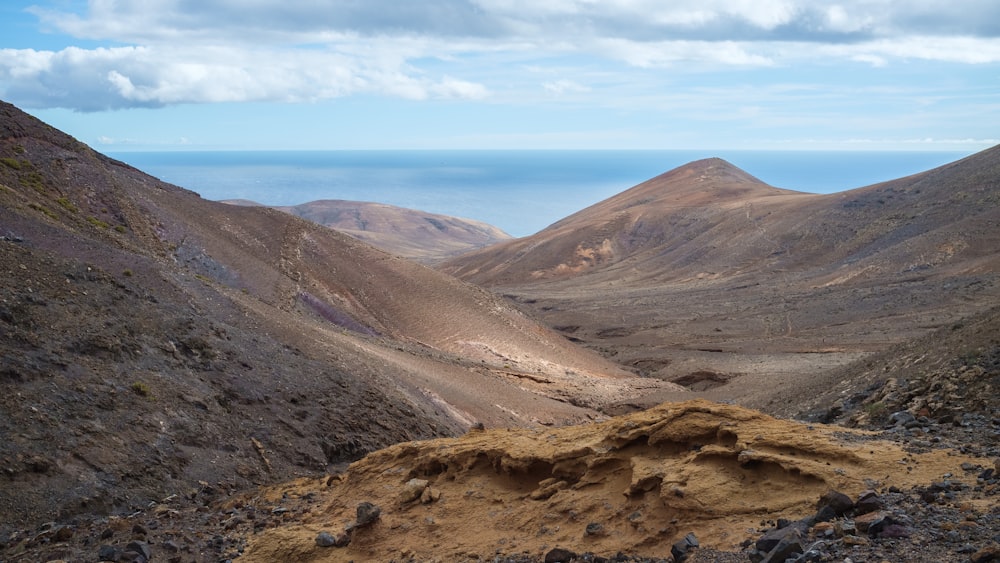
column 418, row 235
column 152, row 340
column 707, row 277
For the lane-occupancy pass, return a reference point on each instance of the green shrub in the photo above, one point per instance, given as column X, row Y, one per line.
column 141, row 389
column 11, row 163
column 67, row 205
column 98, row 223
column 42, row 209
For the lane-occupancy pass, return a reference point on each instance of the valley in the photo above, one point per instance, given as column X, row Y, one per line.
column 702, row 354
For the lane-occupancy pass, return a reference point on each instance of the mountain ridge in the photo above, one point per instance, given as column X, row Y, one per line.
column 763, row 284
column 418, row 235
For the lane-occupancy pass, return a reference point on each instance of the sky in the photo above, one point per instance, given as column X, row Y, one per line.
column 508, row 74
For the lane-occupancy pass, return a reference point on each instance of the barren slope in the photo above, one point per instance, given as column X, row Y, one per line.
column 151, row 339
column 707, row 277
column 425, row 237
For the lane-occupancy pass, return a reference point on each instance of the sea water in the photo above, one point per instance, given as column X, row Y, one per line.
column 520, row 192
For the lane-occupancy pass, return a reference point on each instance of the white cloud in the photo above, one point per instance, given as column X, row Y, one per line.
column 181, row 51
column 560, row 87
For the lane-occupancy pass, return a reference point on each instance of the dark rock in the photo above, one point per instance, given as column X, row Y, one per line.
column 836, row 500
column 171, row 546
column 326, row 539
column 773, row 537
column 140, row 547
column 367, row 514
column 559, row 555
column 107, row 553
column 786, row 548
column 825, row 514
column 894, row 531
column 594, row 529
column 901, row 418
column 868, row 501
column 682, row 548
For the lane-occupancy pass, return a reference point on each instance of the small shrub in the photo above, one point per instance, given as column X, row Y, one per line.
column 120, row 228
column 11, row 163
column 67, row 205
column 98, row 223
column 43, row 210
column 127, row 273
column 34, row 181
column 141, row 389
column 876, row 409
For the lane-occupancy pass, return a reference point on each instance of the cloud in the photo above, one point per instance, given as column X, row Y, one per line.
column 163, row 52
column 560, row 87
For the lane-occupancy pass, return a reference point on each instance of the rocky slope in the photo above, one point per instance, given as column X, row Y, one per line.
column 151, row 340
column 418, row 235
column 709, row 278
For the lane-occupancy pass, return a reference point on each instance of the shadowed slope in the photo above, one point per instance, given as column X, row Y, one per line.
column 152, row 339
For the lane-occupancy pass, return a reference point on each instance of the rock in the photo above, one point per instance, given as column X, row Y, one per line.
column 837, row 501
column 326, row 539
column 107, row 553
column 559, row 555
column 868, row 501
column 894, row 531
column 681, row 549
column 171, row 546
column 773, row 537
column 547, row 488
column 874, row 523
column 430, row 495
column 140, row 547
column 413, row 489
column 784, row 550
column 901, row 418
column 367, row 514
column 594, row 529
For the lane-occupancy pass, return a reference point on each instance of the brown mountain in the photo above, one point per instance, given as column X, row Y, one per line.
column 152, row 340
column 706, row 276
column 418, row 235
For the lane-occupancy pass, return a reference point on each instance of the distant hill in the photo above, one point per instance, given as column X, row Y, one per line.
column 425, row 237
column 151, row 340
column 708, row 277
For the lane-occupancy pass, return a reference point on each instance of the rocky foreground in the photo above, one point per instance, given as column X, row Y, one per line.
column 695, row 481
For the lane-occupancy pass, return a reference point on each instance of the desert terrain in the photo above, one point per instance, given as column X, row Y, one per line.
column 707, row 277
column 425, row 237
column 703, row 368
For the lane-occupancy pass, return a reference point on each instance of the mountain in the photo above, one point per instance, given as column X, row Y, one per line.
column 708, row 277
column 418, row 235
column 151, row 340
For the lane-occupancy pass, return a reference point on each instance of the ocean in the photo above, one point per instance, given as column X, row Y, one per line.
column 520, row 192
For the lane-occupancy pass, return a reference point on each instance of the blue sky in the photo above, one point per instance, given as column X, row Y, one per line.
column 569, row 74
